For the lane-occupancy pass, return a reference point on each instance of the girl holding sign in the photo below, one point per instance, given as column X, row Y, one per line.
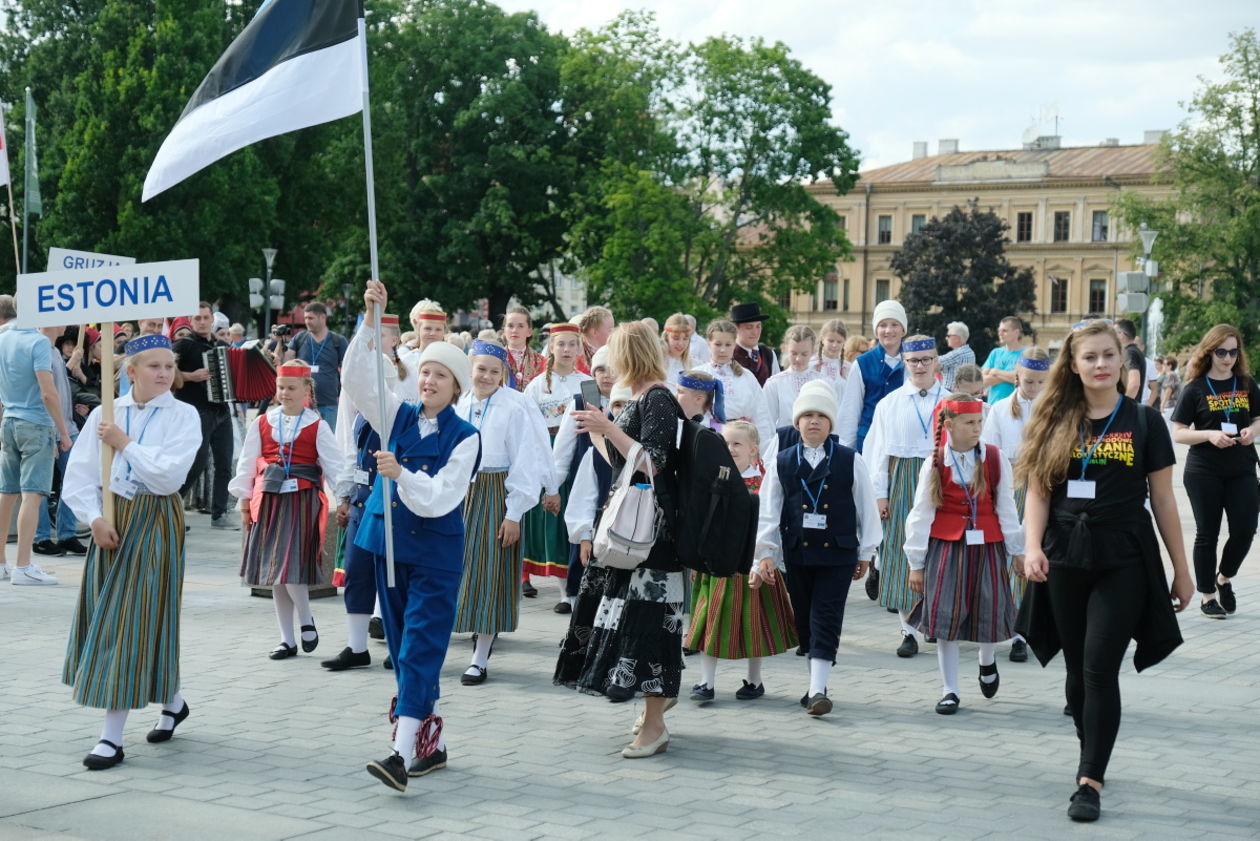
column 280, row 479
column 124, row 644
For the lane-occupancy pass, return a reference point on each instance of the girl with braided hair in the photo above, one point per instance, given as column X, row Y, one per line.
column 958, row 534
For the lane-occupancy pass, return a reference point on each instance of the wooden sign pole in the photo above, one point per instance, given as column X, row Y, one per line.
column 107, row 416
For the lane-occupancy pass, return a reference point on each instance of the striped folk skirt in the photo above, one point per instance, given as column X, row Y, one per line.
column 546, row 539
column 966, row 593
column 732, row 621
column 1017, row 584
column 286, row 545
column 124, row 641
column 894, row 566
column 490, row 592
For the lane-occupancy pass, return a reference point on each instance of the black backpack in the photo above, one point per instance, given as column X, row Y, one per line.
column 716, row 527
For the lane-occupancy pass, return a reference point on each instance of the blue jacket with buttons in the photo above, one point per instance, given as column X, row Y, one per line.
column 832, row 481
column 436, row 542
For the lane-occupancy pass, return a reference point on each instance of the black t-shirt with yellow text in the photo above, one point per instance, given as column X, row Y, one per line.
column 1235, row 401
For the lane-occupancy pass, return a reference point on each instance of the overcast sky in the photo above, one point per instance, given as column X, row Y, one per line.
column 981, row 71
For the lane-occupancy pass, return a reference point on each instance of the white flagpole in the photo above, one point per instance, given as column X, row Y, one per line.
column 386, row 484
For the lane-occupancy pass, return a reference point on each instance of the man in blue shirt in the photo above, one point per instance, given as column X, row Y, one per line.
column 999, row 367
column 324, row 350
column 32, row 432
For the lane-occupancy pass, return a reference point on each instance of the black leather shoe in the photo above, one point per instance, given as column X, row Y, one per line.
column 389, row 663
column 748, row 692
column 157, row 734
column 563, row 607
column 283, row 651
column 909, row 646
column 310, row 645
column 1224, row 592
column 73, row 546
column 424, row 765
column 1019, row 651
column 1067, row 710
column 347, row 659
column 48, row 547
column 818, row 705
column 701, row 693
column 1085, row 805
column 528, row 590
column 872, row 584
column 391, row 770
column 988, row 690
column 477, row 679
column 376, row 628
column 92, row 762
column 947, row 705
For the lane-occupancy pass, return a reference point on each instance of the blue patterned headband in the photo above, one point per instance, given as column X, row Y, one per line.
column 715, row 386
column 1034, row 364
column 140, row 343
column 921, row 344
column 480, row 348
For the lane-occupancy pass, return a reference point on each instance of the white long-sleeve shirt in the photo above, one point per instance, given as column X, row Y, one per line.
column 922, row 515
column 424, row 495
column 166, row 435
column 870, row 532
column 1002, row 429
column 579, row 514
column 782, row 389
column 514, row 439
column 329, row 452
column 743, row 399
column 555, row 404
column 851, row 403
column 902, row 427
column 346, row 412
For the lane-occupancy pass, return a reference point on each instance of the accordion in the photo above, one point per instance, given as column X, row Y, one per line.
column 239, row 375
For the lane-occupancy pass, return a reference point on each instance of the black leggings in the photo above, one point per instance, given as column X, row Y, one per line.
column 1209, row 496
column 1096, row 614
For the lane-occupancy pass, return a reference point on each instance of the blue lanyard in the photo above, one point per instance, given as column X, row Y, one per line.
column 286, row 456
column 1098, row 440
column 800, row 456
column 924, row 424
column 484, row 412
column 958, row 477
column 1232, row 388
column 317, row 348
column 143, row 429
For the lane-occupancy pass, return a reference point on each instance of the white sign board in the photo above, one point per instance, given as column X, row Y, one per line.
column 108, row 293
column 61, row 259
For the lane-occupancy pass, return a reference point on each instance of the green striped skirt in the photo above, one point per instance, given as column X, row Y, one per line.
column 490, row 592
column 894, row 566
column 124, row 641
column 732, row 621
column 546, row 539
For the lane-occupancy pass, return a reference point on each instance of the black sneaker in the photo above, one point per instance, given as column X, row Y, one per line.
column 909, row 646
column 1213, row 610
column 48, row 547
column 376, row 628
column 74, row 547
column 1085, row 805
column 818, row 704
column 1225, row 593
column 433, row 762
column 702, row 693
column 1019, row 652
column 347, row 659
column 748, row 692
column 391, row 770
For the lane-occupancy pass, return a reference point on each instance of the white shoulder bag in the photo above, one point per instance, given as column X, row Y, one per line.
column 631, row 520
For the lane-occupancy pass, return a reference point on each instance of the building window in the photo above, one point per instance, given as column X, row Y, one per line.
column 846, row 295
column 885, row 230
column 1100, row 226
column 1058, row 294
column 842, row 223
column 1062, row 225
column 1098, row 295
column 917, row 221
column 1023, row 227
column 830, row 285
column 883, row 290
column 785, row 301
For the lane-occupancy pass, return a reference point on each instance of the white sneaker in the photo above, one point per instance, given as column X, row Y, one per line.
column 4, row 572
column 31, row 576
column 226, row 520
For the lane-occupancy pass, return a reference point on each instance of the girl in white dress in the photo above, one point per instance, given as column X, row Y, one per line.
column 782, row 389
column 677, row 337
column 830, row 360
column 742, row 393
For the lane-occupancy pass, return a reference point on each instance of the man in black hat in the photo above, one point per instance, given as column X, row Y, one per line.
column 758, row 358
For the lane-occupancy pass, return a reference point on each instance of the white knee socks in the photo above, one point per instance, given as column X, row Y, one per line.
column 906, row 627
column 284, row 613
column 947, row 659
column 481, row 654
column 301, row 596
column 165, row 722
column 754, row 671
column 405, row 736
column 441, row 745
column 819, row 671
column 988, row 655
column 112, row 731
column 708, row 669
column 357, row 631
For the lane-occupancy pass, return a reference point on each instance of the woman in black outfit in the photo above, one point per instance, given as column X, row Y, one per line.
column 1090, row 457
column 625, row 633
column 1218, row 414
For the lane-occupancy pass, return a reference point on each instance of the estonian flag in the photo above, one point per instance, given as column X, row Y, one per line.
column 298, row 63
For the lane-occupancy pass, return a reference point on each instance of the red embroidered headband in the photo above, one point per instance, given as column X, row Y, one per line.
column 431, row 316
column 301, row 371
column 564, row 328
column 389, row 321
column 963, row 407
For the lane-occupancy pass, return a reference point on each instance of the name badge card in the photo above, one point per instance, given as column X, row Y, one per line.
column 289, row 486
column 1080, row 489
column 815, row 521
column 1229, row 428
column 361, row 477
column 123, row 487
column 314, row 369
column 975, row 537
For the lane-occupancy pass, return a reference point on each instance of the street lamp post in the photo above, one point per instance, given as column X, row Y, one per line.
column 1150, row 269
column 269, row 254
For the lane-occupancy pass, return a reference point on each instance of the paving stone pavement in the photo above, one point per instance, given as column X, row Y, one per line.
column 275, row 750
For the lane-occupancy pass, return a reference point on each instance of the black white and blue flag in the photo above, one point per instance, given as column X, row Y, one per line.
column 298, row 63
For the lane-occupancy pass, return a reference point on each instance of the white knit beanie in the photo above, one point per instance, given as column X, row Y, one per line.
column 453, row 358
column 890, row 309
column 822, row 400
column 599, row 359
column 620, row 393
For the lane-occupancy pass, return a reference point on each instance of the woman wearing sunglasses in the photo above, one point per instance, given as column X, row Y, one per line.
column 1218, row 415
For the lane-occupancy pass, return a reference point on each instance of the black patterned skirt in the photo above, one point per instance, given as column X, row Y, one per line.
column 625, row 634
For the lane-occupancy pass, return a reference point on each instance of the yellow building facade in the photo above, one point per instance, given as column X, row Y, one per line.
column 1057, row 202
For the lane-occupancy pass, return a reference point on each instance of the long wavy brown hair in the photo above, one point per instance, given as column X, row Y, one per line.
column 1201, row 358
column 1058, row 415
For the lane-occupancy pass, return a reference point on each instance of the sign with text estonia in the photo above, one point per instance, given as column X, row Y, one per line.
column 108, row 293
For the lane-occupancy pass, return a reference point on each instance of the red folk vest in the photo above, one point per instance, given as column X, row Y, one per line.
column 305, row 450
column 951, row 517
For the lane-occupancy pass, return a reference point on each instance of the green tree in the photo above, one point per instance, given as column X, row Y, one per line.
column 1208, row 247
column 955, row 269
